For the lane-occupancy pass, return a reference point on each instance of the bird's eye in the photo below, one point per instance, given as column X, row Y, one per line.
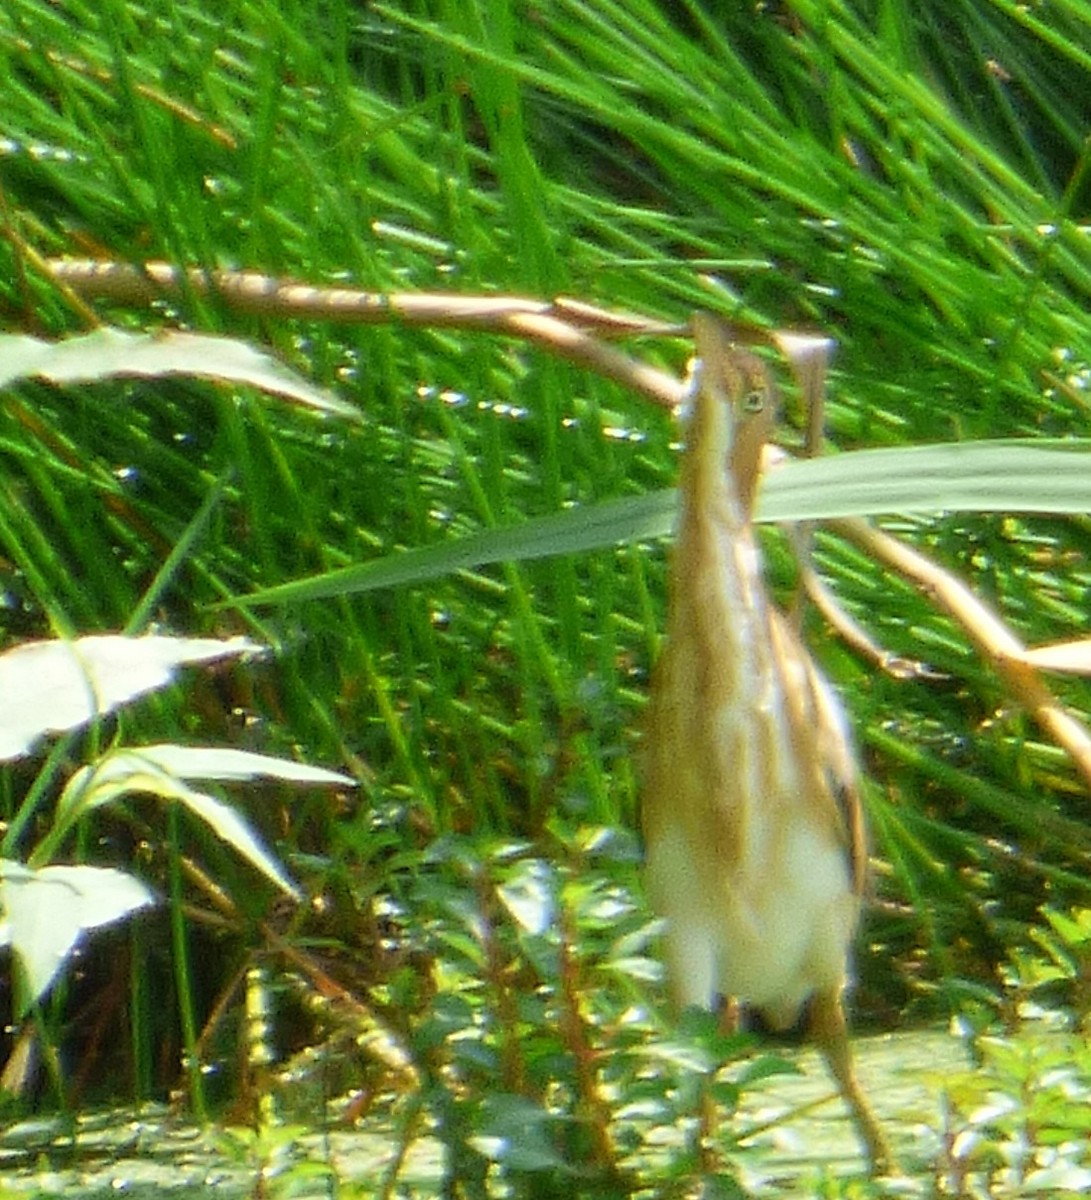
column 754, row 400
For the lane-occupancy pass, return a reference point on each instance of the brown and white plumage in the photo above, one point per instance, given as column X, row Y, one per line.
column 754, row 837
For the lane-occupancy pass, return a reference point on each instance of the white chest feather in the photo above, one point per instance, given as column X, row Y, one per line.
column 769, row 935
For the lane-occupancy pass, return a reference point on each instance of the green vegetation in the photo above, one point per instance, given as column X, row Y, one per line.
column 474, row 961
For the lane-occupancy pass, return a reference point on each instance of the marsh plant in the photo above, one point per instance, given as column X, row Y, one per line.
column 49, row 906
column 1018, row 1123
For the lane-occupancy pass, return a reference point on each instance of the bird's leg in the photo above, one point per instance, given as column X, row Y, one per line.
column 730, row 1015
column 830, row 1033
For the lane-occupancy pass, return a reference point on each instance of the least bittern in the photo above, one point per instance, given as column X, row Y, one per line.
column 752, row 821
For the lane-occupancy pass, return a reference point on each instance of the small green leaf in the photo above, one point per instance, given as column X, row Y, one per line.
column 46, row 912
column 130, row 771
column 231, row 828
column 226, row 765
column 515, row 1131
column 529, row 895
column 112, row 776
column 51, row 687
column 107, row 352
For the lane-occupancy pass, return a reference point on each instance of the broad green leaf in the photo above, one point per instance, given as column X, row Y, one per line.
column 126, row 772
column 109, row 352
column 574, row 531
column 1010, row 476
column 995, row 476
column 51, row 687
column 46, row 912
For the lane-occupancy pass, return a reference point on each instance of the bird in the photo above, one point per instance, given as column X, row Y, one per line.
column 755, row 847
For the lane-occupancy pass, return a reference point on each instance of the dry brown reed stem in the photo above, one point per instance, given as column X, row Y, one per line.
column 372, row 1034
column 572, row 330
column 993, row 639
column 567, row 328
